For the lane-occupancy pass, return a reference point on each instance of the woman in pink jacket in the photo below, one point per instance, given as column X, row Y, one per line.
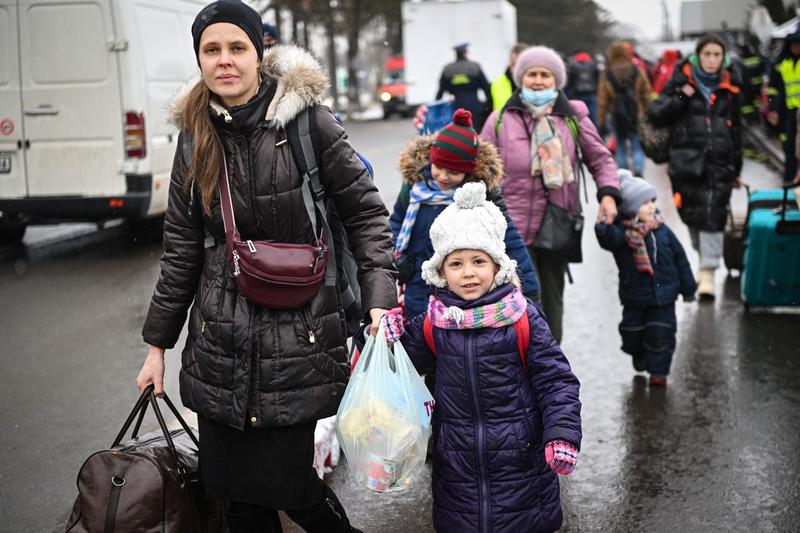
column 541, row 162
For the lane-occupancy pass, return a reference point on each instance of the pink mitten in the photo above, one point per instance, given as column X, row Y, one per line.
column 560, row 456
column 393, row 324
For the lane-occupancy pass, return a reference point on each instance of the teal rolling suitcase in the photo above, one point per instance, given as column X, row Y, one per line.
column 771, row 273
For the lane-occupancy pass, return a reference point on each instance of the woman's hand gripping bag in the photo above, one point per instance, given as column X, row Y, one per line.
column 384, row 419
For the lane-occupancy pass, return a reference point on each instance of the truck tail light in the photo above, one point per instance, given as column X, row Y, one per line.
column 135, row 139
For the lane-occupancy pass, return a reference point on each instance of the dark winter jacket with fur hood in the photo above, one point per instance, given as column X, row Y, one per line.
column 242, row 362
column 705, row 151
column 415, row 165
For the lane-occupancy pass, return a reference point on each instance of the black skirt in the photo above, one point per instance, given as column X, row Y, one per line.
column 271, row 467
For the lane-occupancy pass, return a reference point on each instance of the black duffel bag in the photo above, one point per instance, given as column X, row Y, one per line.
column 147, row 483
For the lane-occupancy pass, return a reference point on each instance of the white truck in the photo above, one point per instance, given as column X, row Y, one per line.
column 432, row 28
column 84, row 93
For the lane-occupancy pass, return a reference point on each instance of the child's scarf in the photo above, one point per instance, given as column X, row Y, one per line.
column 635, row 234
column 421, row 193
column 504, row 312
column 549, row 156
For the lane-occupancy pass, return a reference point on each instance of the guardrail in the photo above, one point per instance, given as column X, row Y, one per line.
column 759, row 139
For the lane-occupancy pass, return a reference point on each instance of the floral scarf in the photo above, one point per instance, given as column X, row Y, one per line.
column 504, row 312
column 549, row 157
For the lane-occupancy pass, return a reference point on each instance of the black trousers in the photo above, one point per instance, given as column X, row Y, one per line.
column 326, row 516
column 649, row 331
column 551, row 270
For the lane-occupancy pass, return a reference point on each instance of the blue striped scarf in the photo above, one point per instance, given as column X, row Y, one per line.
column 421, row 193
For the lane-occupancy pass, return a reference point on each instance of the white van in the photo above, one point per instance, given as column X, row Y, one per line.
column 84, row 92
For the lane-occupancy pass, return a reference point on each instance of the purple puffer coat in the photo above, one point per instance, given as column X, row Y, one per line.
column 525, row 195
column 491, row 423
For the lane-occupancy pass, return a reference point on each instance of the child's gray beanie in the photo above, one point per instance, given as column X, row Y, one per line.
column 635, row 191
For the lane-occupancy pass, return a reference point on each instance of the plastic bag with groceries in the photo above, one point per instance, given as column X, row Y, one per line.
column 384, row 419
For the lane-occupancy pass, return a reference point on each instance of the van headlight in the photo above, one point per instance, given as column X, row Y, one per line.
column 385, row 96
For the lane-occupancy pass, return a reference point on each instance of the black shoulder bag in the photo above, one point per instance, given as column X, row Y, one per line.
column 561, row 231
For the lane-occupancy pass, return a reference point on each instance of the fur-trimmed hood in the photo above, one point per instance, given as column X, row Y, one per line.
column 301, row 83
column 417, row 155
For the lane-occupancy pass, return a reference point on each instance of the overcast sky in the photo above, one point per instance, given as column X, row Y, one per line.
column 644, row 14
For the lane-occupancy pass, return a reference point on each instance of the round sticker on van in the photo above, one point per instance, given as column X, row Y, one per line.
column 7, row 126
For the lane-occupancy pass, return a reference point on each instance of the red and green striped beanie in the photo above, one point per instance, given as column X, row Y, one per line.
column 456, row 145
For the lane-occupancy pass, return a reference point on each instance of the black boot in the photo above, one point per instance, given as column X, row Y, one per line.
column 328, row 516
column 249, row 518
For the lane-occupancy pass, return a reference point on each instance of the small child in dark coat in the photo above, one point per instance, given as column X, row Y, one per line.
column 507, row 416
column 653, row 271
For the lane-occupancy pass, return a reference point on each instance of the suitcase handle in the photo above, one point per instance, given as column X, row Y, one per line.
column 783, row 226
column 140, row 407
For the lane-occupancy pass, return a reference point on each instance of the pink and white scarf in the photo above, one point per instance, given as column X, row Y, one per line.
column 504, row 312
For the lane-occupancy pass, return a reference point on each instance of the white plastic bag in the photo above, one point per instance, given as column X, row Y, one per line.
column 384, row 418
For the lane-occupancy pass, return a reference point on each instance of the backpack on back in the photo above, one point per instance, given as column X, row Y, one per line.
column 303, row 138
column 583, row 77
column 625, row 110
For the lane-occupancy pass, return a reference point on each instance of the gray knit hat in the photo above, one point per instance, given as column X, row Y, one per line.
column 635, row 191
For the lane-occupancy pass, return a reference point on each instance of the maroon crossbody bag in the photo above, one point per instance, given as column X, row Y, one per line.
column 278, row 275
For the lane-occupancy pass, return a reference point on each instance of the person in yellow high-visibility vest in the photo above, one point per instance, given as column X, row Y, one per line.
column 503, row 86
column 783, row 93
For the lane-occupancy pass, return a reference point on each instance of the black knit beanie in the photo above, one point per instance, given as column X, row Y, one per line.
column 710, row 38
column 232, row 11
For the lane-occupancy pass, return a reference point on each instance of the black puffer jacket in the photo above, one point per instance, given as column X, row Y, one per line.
column 241, row 361
column 705, row 146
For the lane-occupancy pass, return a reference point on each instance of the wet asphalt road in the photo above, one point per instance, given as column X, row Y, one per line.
column 716, row 451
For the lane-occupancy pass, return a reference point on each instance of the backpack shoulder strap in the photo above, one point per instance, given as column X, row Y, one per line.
column 498, row 120
column 574, row 127
column 186, row 148
column 301, row 141
column 185, row 138
column 522, row 328
column 615, row 83
column 427, row 332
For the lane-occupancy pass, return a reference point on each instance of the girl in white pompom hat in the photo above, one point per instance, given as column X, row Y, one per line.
column 507, row 416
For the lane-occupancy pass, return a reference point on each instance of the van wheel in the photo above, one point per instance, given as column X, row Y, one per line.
column 12, row 230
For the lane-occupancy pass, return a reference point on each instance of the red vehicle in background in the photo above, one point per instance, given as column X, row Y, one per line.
column 392, row 90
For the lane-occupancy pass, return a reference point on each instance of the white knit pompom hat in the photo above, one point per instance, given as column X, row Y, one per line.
column 470, row 223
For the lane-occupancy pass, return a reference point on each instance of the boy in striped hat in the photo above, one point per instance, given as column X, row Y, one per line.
column 433, row 168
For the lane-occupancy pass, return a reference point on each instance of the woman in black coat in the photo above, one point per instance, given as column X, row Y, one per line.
column 259, row 377
column 701, row 107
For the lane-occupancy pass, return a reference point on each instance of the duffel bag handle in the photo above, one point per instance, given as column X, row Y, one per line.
column 140, row 407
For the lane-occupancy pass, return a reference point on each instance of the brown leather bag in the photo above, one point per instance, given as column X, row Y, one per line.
column 148, row 483
column 273, row 274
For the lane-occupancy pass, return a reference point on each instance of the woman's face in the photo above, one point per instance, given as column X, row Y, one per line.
column 469, row 273
column 538, row 78
column 711, row 57
column 229, row 63
column 446, row 178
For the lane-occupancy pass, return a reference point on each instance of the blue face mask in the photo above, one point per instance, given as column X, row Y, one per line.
column 545, row 96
